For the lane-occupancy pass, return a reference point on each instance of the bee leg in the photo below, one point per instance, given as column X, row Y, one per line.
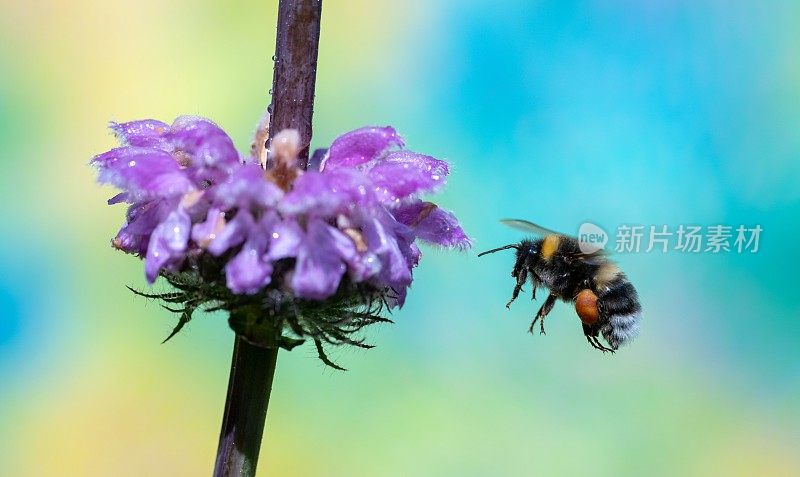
column 521, row 276
column 543, row 311
column 535, row 281
column 597, row 345
column 603, row 347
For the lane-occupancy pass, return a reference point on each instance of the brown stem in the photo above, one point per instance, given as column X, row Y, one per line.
column 296, row 48
column 253, row 367
column 249, row 387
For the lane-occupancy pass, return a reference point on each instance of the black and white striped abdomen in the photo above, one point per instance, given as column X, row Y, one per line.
column 618, row 305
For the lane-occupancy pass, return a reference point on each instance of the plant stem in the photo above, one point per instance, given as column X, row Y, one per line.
column 296, row 48
column 249, row 388
column 253, row 367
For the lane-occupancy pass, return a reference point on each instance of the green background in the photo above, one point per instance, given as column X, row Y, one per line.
column 650, row 113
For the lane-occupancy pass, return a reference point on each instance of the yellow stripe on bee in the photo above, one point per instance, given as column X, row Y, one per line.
column 549, row 246
column 607, row 272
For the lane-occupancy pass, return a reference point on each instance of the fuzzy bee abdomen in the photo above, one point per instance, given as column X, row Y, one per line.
column 620, row 311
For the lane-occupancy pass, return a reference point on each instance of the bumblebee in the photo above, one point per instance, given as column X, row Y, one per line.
column 604, row 298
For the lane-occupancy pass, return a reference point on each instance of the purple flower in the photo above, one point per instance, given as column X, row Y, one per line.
column 142, row 172
column 355, row 216
column 250, row 270
column 321, row 261
column 360, row 146
column 404, row 174
column 168, row 243
column 432, row 224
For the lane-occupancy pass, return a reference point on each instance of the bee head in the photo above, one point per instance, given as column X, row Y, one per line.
column 531, row 247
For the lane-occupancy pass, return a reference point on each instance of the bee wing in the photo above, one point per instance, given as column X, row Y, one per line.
column 527, row 226
column 594, row 257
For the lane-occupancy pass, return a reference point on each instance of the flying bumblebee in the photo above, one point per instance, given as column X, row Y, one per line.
column 605, row 301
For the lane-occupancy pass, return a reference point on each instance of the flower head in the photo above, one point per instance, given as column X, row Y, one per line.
column 349, row 225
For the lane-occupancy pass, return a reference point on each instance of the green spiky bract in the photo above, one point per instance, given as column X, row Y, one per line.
column 274, row 317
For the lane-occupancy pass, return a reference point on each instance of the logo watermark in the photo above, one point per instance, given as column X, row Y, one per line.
column 661, row 238
column 591, row 238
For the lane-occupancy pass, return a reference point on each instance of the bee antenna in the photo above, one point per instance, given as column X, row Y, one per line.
column 498, row 249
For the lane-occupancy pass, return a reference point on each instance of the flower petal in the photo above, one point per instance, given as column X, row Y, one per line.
column 403, row 174
column 142, row 171
column 141, row 219
column 167, row 243
column 433, row 224
column 249, row 271
column 285, row 239
column 360, row 146
column 311, row 192
column 121, row 197
column 320, row 261
column 144, row 133
column 341, row 243
column 395, row 270
column 353, row 186
column 206, row 142
column 247, row 187
column 326, row 194
column 203, row 233
column 232, row 234
column 363, row 266
column 128, row 242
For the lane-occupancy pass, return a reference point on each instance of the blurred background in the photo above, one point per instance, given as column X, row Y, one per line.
column 651, row 113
